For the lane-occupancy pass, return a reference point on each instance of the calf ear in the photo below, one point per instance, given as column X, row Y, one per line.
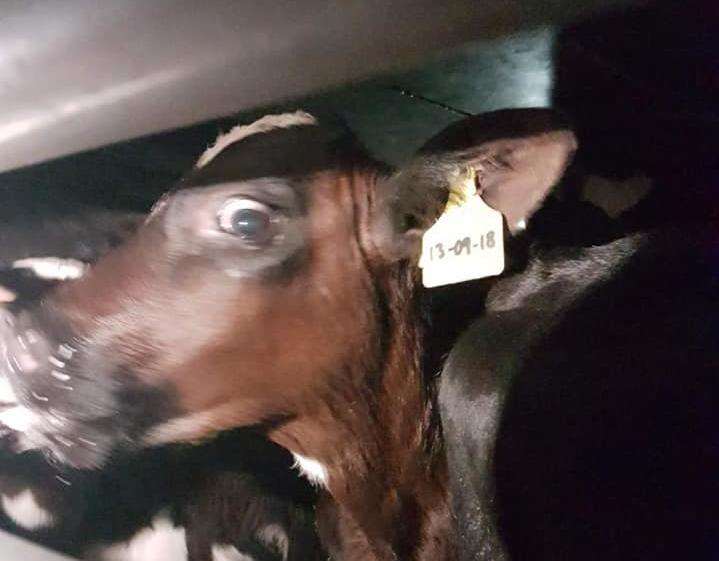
column 518, row 156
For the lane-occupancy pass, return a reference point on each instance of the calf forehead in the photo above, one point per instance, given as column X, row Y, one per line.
column 266, row 123
column 300, row 150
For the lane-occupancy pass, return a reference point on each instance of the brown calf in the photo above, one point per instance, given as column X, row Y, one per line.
column 277, row 287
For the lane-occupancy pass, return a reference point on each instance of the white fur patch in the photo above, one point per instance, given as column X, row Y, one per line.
column 265, row 124
column 25, row 512
column 313, row 470
column 7, row 394
column 228, row 553
column 161, row 542
column 52, row 268
column 7, row 295
column 18, row 418
column 275, row 537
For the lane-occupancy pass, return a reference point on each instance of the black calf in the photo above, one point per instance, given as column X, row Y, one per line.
column 581, row 412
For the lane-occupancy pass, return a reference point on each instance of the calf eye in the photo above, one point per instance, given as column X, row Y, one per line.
column 251, row 221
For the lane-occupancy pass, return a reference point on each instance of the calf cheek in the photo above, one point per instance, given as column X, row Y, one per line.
column 285, row 341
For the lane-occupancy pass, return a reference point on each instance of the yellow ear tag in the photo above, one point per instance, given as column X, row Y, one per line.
column 466, row 242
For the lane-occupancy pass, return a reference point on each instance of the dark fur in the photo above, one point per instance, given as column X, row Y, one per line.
column 224, row 492
column 71, row 232
column 580, row 412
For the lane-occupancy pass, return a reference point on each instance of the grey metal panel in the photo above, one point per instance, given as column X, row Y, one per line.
column 13, row 548
column 80, row 74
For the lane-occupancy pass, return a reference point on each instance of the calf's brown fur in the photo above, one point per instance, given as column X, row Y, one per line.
column 315, row 338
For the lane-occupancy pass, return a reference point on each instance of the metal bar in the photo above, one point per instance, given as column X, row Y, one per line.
column 81, row 74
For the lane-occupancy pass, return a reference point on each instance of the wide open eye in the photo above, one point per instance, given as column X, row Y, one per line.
column 248, row 219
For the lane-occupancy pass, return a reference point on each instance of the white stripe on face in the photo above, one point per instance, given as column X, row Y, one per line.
column 265, row 124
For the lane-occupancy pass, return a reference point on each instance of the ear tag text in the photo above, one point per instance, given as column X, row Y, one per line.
column 466, row 242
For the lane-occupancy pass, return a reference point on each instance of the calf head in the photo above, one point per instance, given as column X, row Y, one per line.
column 280, row 271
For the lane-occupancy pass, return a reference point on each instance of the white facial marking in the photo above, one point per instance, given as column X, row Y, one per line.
column 275, row 537
column 228, row 553
column 160, row 542
column 7, row 394
column 19, row 418
column 52, row 268
column 313, row 470
column 25, row 512
column 7, row 295
column 265, row 124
